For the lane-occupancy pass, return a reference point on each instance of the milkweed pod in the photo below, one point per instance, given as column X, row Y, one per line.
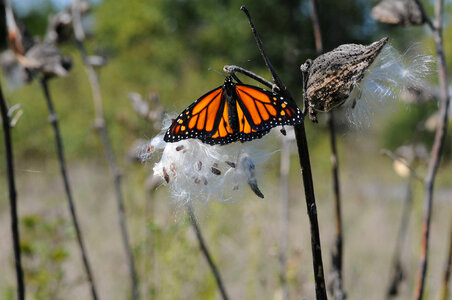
column 398, row 12
column 331, row 77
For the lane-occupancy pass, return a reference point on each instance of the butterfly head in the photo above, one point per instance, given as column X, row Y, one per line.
column 228, row 86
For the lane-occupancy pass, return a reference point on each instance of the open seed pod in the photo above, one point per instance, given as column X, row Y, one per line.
column 398, row 12
column 331, row 77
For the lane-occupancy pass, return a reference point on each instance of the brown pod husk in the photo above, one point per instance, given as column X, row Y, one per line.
column 332, row 76
column 398, row 12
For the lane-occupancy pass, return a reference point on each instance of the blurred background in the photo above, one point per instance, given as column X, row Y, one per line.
column 175, row 49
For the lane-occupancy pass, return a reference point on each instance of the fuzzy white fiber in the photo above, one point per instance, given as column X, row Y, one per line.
column 390, row 74
column 197, row 171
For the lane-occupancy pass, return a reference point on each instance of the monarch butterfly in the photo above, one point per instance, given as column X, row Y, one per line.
column 232, row 112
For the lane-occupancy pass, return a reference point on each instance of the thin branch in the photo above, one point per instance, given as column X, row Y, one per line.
column 284, row 228
column 397, row 274
column 9, row 156
column 316, row 27
column 440, row 137
column 446, row 276
column 424, row 14
column 102, row 130
column 206, row 253
column 305, row 164
column 336, row 287
column 275, row 76
column 59, row 147
column 399, row 159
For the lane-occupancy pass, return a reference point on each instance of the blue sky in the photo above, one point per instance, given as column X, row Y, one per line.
column 23, row 7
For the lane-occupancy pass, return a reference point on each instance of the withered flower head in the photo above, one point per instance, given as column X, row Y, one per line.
column 331, row 77
column 35, row 56
column 398, row 12
column 46, row 58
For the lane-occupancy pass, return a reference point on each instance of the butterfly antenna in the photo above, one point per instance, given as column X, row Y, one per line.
column 216, row 71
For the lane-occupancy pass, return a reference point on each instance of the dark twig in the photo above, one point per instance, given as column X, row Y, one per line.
column 440, row 137
column 275, row 76
column 12, row 197
column 446, row 276
column 303, row 154
column 424, row 14
column 436, row 151
column 102, row 130
column 336, row 287
column 53, row 119
column 397, row 273
column 337, row 253
column 206, row 253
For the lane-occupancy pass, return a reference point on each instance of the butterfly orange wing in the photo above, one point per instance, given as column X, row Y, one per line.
column 259, row 110
column 202, row 120
column 256, row 110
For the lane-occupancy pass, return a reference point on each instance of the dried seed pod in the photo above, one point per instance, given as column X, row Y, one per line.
column 165, row 175
column 398, row 12
column 331, row 77
column 173, row 169
column 230, row 163
column 215, row 171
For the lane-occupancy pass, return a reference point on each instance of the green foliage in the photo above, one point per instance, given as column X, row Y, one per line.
column 43, row 244
column 173, row 254
column 167, row 47
column 407, row 126
column 174, row 40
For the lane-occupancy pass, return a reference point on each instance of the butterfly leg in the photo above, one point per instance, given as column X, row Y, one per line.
column 283, row 131
column 232, row 69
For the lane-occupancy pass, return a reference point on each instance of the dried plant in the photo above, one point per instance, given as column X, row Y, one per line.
column 336, row 281
column 436, row 27
column 76, row 10
column 9, row 157
column 44, row 59
column 398, row 12
column 303, row 154
column 331, row 77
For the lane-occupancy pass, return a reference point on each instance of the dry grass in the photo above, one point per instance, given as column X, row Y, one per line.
column 242, row 236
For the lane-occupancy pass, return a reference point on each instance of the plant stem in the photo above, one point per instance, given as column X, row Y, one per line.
column 397, row 274
column 305, row 164
column 336, row 255
column 445, row 287
column 59, row 147
column 9, row 156
column 206, row 253
column 102, row 130
column 437, row 150
column 284, row 227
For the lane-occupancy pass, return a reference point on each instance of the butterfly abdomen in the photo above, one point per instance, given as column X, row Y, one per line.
column 231, row 102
